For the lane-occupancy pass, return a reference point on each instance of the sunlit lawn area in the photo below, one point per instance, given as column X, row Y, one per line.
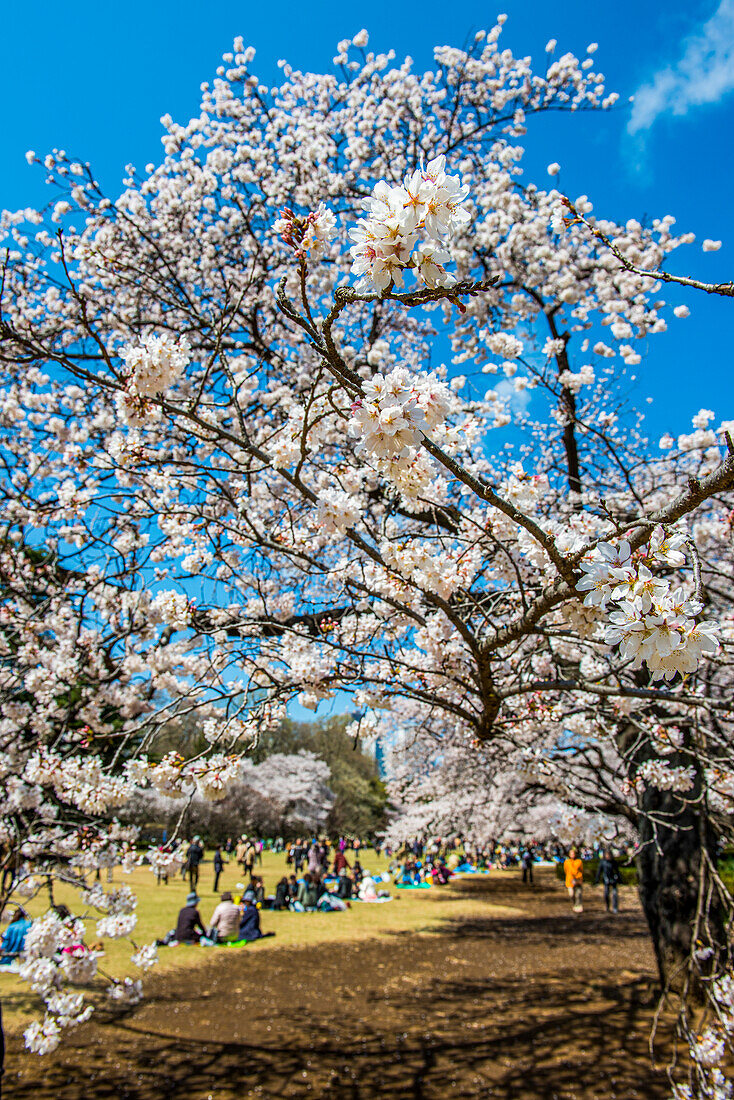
column 158, row 906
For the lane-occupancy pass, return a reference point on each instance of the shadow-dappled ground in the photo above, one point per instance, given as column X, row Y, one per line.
column 543, row 1004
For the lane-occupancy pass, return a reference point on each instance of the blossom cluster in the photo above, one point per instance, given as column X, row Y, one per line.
column 397, row 410
column 309, row 236
column 173, row 776
column 407, row 227
column 151, row 366
column 49, row 942
column 336, row 511
column 213, row 775
column 164, row 861
column 79, row 780
column 172, row 608
column 652, row 622
column 154, row 364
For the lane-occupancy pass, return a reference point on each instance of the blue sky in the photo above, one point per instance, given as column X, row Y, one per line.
column 94, row 79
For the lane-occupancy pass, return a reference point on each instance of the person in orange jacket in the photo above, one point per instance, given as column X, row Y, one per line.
column 574, row 871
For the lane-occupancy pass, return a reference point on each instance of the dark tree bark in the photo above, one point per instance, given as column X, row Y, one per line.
column 675, row 884
column 678, row 847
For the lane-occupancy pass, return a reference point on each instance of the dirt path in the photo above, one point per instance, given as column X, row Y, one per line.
column 538, row 1005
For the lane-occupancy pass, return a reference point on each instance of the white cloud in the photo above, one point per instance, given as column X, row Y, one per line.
column 704, row 73
column 518, row 401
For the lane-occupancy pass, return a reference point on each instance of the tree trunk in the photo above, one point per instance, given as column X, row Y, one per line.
column 675, row 883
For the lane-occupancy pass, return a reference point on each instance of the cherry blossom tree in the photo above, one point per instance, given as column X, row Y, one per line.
column 285, row 793
column 242, row 353
column 446, row 787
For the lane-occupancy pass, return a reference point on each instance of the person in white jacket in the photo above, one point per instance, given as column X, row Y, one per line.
column 225, row 922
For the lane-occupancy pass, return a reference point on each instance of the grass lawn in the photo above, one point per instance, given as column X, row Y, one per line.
column 411, row 911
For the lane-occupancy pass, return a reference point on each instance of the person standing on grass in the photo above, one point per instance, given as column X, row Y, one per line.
column 608, row 873
column 574, row 871
column 240, row 852
column 314, row 859
column 340, row 862
column 218, row 866
column 194, row 856
column 250, row 856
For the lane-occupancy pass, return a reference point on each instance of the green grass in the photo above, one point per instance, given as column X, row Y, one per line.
column 414, row 911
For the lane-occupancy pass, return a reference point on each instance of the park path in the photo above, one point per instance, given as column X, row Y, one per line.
column 541, row 1004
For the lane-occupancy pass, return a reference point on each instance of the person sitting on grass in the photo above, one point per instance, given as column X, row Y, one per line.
column 189, row 927
column 13, row 940
column 225, row 922
column 308, row 893
column 367, row 889
column 282, row 894
column 257, row 889
column 330, row 903
column 249, row 922
column 409, row 875
column 344, row 886
column 441, row 873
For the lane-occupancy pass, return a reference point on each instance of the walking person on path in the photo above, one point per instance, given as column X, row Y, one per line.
column 527, row 866
column 574, row 871
column 608, row 873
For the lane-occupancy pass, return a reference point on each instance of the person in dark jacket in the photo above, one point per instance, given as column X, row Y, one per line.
column 608, row 873
column 282, row 894
column 527, row 866
column 189, row 927
column 218, row 867
column 194, row 856
column 344, row 886
column 249, row 922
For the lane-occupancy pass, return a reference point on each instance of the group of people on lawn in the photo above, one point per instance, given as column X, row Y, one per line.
column 327, row 886
column 231, row 922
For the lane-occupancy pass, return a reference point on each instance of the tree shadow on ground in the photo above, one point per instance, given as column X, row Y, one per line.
column 541, row 1005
